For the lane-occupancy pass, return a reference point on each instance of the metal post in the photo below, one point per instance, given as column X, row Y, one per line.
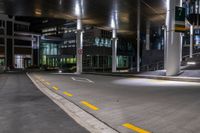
column 114, row 50
column 32, row 51
column 5, row 44
column 181, row 48
column 173, row 41
column 38, row 48
column 79, row 47
column 165, row 47
column 13, row 43
column 181, row 37
column 138, row 36
column 191, row 41
column 148, row 35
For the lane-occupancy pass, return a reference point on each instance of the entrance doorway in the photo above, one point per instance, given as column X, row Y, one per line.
column 22, row 61
column 2, row 61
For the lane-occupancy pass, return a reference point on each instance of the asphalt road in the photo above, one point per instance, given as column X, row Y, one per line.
column 24, row 109
column 132, row 104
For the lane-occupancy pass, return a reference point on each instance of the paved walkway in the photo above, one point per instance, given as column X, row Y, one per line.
column 24, row 109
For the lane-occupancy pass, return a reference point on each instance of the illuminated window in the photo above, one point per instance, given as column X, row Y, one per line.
column 102, row 42
column 97, row 41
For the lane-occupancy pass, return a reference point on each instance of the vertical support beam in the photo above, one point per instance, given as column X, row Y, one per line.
column 148, row 35
column 79, row 47
column 32, row 44
column 5, row 44
column 138, row 35
column 38, row 49
column 191, row 41
column 98, row 61
column 181, row 38
column 173, row 41
column 114, row 50
column 181, row 48
column 165, row 47
column 13, row 42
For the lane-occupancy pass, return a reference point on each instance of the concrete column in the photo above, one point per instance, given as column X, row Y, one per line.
column 173, row 40
column 148, row 35
column 114, row 50
column 165, row 47
column 79, row 47
column 138, row 35
column 191, row 41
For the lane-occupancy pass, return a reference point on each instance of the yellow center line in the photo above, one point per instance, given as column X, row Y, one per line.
column 48, row 83
column 135, row 128
column 55, row 88
column 89, row 105
column 67, row 94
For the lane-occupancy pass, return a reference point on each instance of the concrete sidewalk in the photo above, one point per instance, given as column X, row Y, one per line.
column 24, row 109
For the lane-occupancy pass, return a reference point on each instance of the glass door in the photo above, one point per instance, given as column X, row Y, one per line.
column 27, row 62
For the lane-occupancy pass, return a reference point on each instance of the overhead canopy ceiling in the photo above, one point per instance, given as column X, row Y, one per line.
column 96, row 12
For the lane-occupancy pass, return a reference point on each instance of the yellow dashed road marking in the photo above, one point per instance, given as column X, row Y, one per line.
column 55, row 88
column 48, row 83
column 89, row 105
column 157, row 81
column 67, row 94
column 135, row 128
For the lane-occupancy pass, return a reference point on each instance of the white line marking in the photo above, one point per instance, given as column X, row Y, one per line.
column 82, row 80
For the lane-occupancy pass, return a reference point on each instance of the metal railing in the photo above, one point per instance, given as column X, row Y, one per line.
column 160, row 65
column 185, row 58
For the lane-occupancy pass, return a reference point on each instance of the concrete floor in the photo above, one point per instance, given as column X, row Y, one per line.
column 24, row 109
column 152, row 105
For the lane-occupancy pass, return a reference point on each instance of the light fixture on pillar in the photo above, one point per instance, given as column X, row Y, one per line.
column 60, row 2
column 79, row 9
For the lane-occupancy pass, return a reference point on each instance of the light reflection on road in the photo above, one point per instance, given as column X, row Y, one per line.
column 152, row 82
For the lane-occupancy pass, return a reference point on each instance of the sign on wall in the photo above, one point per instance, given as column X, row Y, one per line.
column 179, row 19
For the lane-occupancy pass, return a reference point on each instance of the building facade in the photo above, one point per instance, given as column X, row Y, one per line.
column 18, row 47
column 58, row 48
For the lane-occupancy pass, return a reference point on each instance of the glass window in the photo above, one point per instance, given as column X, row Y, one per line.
column 102, row 42
column 2, row 61
column 97, row 41
column 122, row 61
